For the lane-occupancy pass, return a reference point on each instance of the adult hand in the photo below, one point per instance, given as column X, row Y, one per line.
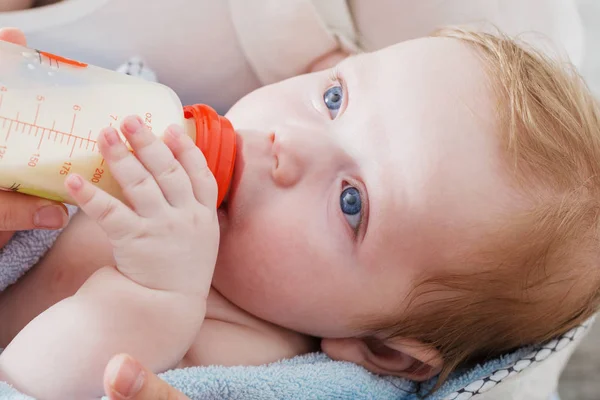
column 19, row 211
column 125, row 378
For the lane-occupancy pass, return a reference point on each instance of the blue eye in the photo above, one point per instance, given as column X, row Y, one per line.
column 351, row 205
column 333, row 99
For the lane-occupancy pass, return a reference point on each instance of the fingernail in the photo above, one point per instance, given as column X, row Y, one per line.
column 132, row 124
column 111, row 136
column 125, row 376
column 74, row 182
column 52, row 217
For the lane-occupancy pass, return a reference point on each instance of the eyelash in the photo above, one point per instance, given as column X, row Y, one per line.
column 334, row 75
column 336, row 79
column 363, row 213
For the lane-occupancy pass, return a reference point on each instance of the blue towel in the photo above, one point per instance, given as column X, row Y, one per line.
column 24, row 250
column 315, row 376
column 312, row 376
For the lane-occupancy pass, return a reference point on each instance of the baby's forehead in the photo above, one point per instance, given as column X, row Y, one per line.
column 439, row 53
column 436, row 141
column 428, row 75
column 433, row 86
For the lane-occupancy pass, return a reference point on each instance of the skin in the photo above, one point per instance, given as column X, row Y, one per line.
column 415, row 134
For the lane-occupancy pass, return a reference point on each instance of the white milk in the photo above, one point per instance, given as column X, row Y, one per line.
column 52, row 110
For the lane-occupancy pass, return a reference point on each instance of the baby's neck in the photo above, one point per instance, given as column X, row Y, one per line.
column 221, row 309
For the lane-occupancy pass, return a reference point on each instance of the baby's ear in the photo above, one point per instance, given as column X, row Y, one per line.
column 327, row 61
column 405, row 358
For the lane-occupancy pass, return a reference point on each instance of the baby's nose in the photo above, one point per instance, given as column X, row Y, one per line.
column 297, row 154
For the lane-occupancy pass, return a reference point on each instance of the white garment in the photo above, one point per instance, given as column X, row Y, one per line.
column 215, row 51
column 534, row 383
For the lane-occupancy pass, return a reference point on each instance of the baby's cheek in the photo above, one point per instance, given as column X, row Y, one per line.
column 265, row 258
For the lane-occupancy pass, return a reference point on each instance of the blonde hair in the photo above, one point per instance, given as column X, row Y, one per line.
column 537, row 271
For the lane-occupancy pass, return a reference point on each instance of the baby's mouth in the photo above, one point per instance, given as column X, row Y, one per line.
column 226, row 198
column 223, row 210
column 223, row 213
column 229, row 198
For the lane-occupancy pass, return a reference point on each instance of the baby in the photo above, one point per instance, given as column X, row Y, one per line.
column 413, row 210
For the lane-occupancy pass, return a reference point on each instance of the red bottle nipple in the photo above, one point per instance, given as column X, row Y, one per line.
column 216, row 139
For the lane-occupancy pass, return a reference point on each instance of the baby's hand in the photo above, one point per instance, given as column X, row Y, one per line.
column 169, row 238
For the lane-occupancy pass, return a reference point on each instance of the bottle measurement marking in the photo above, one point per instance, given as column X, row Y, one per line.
column 15, row 122
column 41, row 138
column 12, row 121
column 87, row 144
column 41, row 54
column 37, row 112
column 73, row 124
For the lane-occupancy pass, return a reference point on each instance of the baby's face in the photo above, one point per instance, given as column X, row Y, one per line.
column 350, row 187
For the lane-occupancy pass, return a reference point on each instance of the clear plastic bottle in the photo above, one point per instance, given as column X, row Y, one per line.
column 52, row 110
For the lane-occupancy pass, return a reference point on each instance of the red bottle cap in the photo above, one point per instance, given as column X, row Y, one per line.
column 216, row 139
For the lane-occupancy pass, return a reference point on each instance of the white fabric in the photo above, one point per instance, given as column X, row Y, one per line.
column 536, row 383
column 216, row 51
column 268, row 32
column 384, row 22
column 532, row 377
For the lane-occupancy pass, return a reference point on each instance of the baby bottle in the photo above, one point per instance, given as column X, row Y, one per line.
column 52, row 110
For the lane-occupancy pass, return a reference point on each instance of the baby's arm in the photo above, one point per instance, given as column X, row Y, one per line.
column 153, row 303
column 62, row 353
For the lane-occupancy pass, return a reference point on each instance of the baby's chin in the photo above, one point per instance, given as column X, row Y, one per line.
column 223, row 219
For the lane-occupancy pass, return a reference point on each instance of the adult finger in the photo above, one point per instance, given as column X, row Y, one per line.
column 20, row 212
column 125, row 378
column 13, row 35
column 5, row 236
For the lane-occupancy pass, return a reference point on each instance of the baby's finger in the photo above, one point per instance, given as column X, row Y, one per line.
column 194, row 163
column 114, row 217
column 138, row 185
column 159, row 160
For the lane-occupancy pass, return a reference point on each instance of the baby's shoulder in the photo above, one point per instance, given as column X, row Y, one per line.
column 231, row 336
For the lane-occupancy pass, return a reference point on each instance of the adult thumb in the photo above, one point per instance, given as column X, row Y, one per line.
column 20, row 212
column 13, row 35
column 126, row 378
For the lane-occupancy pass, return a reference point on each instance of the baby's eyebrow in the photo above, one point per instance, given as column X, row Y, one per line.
column 352, row 56
column 335, row 71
